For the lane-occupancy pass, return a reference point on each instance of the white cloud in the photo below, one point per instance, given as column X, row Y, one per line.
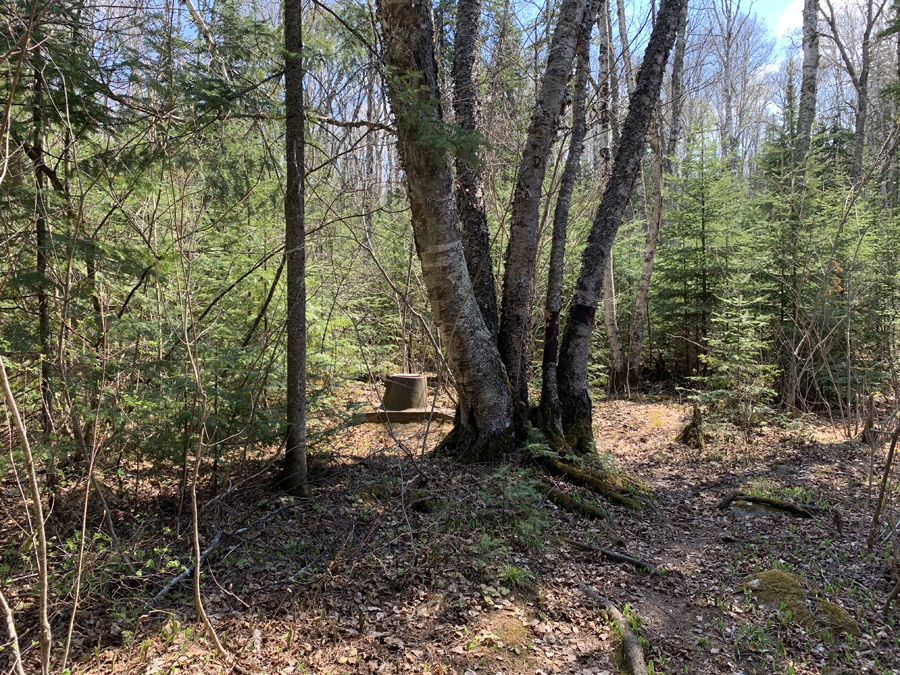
column 791, row 19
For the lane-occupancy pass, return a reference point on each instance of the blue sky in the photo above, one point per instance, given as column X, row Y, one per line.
column 781, row 15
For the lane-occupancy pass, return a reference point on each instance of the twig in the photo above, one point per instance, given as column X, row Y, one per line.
column 634, row 656
column 879, row 504
column 649, row 568
column 13, row 636
column 46, row 633
column 185, row 573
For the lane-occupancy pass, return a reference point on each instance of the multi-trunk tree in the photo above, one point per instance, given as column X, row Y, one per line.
column 485, row 424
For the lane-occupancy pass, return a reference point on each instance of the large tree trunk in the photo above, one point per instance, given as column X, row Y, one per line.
column 484, row 428
column 518, row 277
column 575, row 349
column 806, row 114
column 469, row 189
column 550, row 417
column 293, row 476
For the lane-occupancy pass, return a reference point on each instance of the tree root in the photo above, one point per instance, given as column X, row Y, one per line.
column 599, row 485
column 634, row 656
column 781, row 505
column 567, row 503
column 616, row 557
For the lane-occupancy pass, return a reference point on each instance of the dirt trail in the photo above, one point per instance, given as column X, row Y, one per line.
column 408, row 563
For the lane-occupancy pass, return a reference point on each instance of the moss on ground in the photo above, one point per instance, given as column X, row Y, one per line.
column 782, row 590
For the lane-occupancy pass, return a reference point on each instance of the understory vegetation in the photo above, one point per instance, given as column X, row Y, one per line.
column 743, row 373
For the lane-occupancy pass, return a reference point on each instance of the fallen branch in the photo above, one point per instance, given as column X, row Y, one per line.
column 781, row 505
column 891, row 597
column 600, row 486
column 616, row 557
column 634, row 656
column 567, row 503
column 185, row 573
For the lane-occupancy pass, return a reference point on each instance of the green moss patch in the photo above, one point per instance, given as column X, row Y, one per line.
column 782, row 590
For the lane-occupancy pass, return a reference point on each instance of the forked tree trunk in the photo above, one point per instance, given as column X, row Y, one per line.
column 484, row 427
column 575, row 349
column 518, row 278
column 550, row 418
column 293, row 476
column 469, row 188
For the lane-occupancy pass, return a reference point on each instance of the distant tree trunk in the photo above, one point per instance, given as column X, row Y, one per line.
column 626, row 48
column 484, row 427
column 515, row 314
column 469, row 188
column 293, row 477
column 677, row 92
column 726, row 27
column 41, row 245
column 806, row 114
column 859, row 78
column 575, row 349
column 653, row 228
column 618, row 366
column 549, row 413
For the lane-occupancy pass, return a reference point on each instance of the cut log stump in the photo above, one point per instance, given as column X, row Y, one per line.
column 406, row 400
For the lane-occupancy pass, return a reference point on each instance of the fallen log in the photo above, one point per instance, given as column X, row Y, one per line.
column 634, row 656
column 781, row 505
column 616, row 557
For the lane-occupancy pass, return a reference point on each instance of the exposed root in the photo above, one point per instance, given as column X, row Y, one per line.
column 781, row 505
column 616, row 557
column 567, row 503
column 599, row 485
column 634, row 656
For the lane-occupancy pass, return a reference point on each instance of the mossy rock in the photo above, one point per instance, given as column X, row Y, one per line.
column 779, row 589
column 835, row 619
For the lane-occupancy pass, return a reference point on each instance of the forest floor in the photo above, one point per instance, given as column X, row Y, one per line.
column 404, row 562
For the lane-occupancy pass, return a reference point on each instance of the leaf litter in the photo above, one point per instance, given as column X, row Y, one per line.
column 405, row 562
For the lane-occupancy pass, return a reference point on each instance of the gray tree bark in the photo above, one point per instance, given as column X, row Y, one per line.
column 859, row 77
column 484, row 425
column 617, row 366
column 677, row 92
column 518, row 277
column 806, row 113
column 575, row 349
column 469, row 186
column 293, row 476
column 550, row 416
